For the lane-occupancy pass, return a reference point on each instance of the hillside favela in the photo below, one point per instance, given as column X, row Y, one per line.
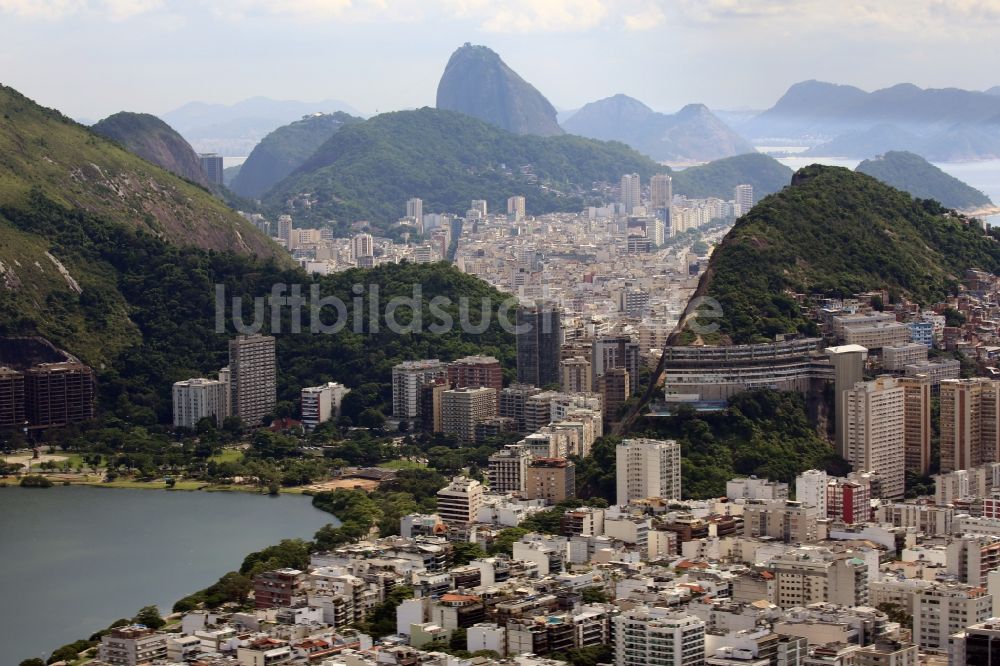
column 517, row 333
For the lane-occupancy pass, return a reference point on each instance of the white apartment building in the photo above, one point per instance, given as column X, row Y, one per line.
column 508, row 469
column 196, row 399
column 407, row 378
column 944, row 610
column 810, row 489
column 874, row 428
column 459, row 501
column 648, row 468
column 653, row 636
column 321, row 403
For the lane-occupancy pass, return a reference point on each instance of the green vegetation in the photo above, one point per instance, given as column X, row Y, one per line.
column 368, row 170
column 35, row 481
column 284, row 150
column 912, row 173
column 720, row 178
column 837, row 233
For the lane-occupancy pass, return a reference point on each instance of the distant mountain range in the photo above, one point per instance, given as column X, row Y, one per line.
column 155, row 141
column 478, row 83
column 939, row 124
column 234, row 129
column 692, row 134
column 284, row 150
column 912, row 173
column 719, row 178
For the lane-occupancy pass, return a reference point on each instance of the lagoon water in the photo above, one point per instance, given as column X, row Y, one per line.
column 74, row 559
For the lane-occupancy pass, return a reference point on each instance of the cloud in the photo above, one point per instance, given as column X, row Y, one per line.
column 645, row 19
column 116, row 10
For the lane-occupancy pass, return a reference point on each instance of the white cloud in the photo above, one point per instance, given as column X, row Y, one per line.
column 116, row 10
column 646, row 18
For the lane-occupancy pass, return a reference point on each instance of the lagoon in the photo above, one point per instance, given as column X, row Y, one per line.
column 73, row 559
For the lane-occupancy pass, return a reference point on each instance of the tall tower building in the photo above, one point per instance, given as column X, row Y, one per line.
column 849, row 369
column 661, row 191
column 647, row 468
column 415, row 209
column 743, row 197
column 476, row 372
column 58, row 393
column 652, row 635
column 212, row 165
column 576, row 377
column 917, row 414
column 508, row 469
column 11, row 398
column 459, row 501
column 362, row 245
column 970, row 433
column 515, row 207
column 463, row 408
column 875, row 437
column 195, row 399
column 285, row 230
column 631, row 192
column 253, row 378
column 407, row 379
column 615, row 387
column 479, row 205
column 539, row 338
column 616, row 351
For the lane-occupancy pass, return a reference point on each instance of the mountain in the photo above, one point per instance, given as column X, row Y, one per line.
column 234, row 129
column 950, row 123
column 995, row 90
column 284, row 150
column 154, row 141
column 478, row 83
column 692, row 134
column 367, row 171
column 912, row 173
column 719, row 178
column 864, row 143
column 835, row 232
column 63, row 188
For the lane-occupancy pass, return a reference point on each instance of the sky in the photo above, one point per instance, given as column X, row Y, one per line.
column 91, row 58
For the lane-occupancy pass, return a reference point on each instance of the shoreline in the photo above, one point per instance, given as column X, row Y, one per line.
column 181, row 486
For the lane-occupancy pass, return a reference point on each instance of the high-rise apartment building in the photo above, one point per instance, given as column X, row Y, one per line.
column 321, row 403
column 362, row 245
column 661, row 191
column 652, row 635
column 810, row 489
column 253, row 378
column 476, row 372
column 617, row 351
column 743, row 198
column 944, row 610
column 631, row 192
column 513, row 403
column 479, row 205
column 575, row 373
column 615, row 387
column 407, row 379
column 539, row 337
column 551, row 479
column 508, row 469
column 647, row 468
column 213, row 166
column 459, row 501
column 875, row 425
column 11, row 398
column 515, row 208
column 970, row 433
column 849, row 369
column 463, row 408
column 196, row 399
column 58, row 393
column 415, row 210
column 285, row 230
column 917, row 423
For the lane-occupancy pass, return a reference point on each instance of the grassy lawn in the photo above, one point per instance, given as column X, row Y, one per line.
column 227, row 455
column 402, row 464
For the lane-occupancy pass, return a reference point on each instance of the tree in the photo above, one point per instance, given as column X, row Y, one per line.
column 504, row 542
column 372, row 419
column 464, row 552
column 149, row 616
column 34, row 661
column 594, row 595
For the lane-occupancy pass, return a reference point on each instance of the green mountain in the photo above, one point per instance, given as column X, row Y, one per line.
column 367, row 171
column 912, row 173
column 835, row 232
column 62, row 188
column 284, row 150
column 478, row 83
column 719, row 178
column 154, row 141
column 691, row 134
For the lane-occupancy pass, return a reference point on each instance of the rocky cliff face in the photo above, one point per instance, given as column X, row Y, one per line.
column 478, row 83
column 153, row 140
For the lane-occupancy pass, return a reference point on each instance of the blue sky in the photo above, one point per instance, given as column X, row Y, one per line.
column 90, row 58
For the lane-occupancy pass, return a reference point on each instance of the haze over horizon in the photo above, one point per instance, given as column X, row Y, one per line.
column 91, row 58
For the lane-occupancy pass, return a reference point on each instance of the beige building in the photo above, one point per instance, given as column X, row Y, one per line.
column 970, row 433
column 897, row 357
column 648, row 468
column 463, row 408
column 944, row 610
column 917, row 423
column 132, row 645
column 508, row 469
column 791, row 522
column 575, row 374
column 551, row 479
column 811, row 575
column 874, row 427
column 459, row 501
column 252, row 377
column 615, row 388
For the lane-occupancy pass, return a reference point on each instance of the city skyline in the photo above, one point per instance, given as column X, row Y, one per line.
column 91, row 58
